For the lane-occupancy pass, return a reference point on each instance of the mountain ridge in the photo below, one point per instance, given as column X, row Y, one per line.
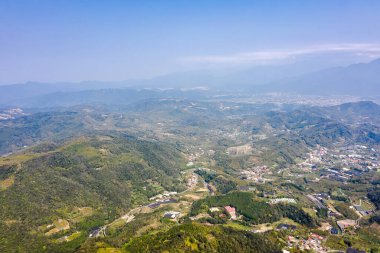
column 361, row 79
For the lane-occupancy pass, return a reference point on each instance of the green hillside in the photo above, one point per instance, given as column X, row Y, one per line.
column 194, row 237
column 85, row 183
column 254, row 211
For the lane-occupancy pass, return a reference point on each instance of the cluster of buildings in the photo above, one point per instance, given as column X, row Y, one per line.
column 313, row 243
column 192, row 181
column 342, row 163
column 314, row 157
column 239, row 150
column 228, row 209
column 282, row 200
column 256, row 174
column 347, row 162
column 192, row 157
column 337, row 174
column 285, row 98
column 11, row 113
column 359, row 157
column 163, row 195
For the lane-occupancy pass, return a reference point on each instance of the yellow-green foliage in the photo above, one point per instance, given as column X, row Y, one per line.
column 73, row 236
column 192, row 237
column 191, row 244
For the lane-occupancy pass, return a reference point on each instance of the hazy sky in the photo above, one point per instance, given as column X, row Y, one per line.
column 115, row 40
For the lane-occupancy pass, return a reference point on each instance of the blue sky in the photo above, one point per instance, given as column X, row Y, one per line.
column 63, row 40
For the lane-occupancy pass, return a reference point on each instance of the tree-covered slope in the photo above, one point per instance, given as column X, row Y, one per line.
column 43, row 126
column 86, row 183
column 193, row 237
column 254, row 211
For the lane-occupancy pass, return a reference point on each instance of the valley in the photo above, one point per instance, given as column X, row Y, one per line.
column 113, row 178
column 189, row 126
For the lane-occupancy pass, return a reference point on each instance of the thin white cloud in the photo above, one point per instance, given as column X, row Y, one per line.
column 369, row 50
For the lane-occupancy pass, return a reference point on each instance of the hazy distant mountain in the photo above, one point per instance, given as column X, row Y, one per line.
column 21, row 91
column 363, row 112
column 358, row 79
column 229, row 78
column 30, row 89
column 261, row 75
column 216, row 79
column 104, row 97
column 362, row 108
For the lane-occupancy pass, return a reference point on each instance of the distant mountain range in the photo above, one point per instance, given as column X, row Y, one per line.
column 21, row 91
column 350, row 112
column 125, row 96
column 357, row 79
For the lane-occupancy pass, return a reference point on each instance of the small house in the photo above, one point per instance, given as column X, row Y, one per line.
column 231, row 211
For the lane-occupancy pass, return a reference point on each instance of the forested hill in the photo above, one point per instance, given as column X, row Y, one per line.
column 78, row 186
column 194, row 237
